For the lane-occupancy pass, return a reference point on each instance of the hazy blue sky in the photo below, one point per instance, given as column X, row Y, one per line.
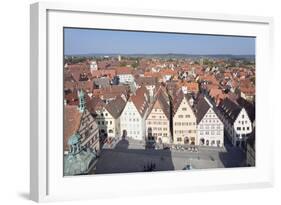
column 86, row 41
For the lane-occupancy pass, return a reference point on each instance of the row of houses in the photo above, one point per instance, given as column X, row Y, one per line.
column 178, row 119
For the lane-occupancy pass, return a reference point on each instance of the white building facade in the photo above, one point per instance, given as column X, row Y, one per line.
column 210, row 129
column 126, row 78
column 237, row 123
column 131, row 122
column 132, row 119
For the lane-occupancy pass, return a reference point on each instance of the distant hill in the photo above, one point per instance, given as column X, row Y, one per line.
column 168, row 55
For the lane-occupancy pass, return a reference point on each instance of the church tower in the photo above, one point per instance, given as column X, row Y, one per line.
column 81, row 97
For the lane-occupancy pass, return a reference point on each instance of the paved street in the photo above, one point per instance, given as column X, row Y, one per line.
column 131, row 156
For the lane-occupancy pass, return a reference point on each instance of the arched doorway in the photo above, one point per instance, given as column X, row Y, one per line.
column 192, row 141
column 202, row 141
column 186, row 140
column 124, row 134
column 218, row 143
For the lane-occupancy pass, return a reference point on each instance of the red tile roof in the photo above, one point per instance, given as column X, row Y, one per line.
column 72, row 118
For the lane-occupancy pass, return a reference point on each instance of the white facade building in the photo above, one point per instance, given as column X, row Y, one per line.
column 236, row 122
column 132, row 119
column 210, row 129
column 108, row 116
column 126, row 78
column 125, row 75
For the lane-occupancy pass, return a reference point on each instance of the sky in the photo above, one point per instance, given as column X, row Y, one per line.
column 91, row 41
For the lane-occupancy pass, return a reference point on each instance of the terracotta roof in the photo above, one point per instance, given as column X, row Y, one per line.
column 123, row 70
column 178, row 98
column 72, row 118
column 152, row 74
column 202, row 107
column 146, row 81
column 71, row 98
column 168, row 72
column 161, row 102
column 115, row 107
column 191, row 86
column 140, row 100
column 113, row 90
column 229, row 109
column 77, row 69
column 95, row 104
column 103, row 73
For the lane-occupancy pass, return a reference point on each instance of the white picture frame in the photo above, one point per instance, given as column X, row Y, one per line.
column 46, row 50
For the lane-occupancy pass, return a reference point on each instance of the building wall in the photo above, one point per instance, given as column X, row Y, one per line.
column 250, row 156
column 157, row 124
column 210, row 130
column 124, row 78
column 242, row 127
column 107, row 123
column 131, row 122
column 184, row 125
column 89, row 132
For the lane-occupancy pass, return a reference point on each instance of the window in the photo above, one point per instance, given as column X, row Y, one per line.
column 110, row 122
column 248, row 128
column 238, row 128
column 243, row 128
column 242, row 116
column 106, row 114
column 179, row 139
column 187, row 116
column 184, row 109
column 180, row 116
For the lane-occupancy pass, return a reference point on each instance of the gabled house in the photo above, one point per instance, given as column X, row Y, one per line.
column 210, row 130
column 132, row 119
column 236, row 120
column 158, row 119
column 107, row 115
column 184, row 119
